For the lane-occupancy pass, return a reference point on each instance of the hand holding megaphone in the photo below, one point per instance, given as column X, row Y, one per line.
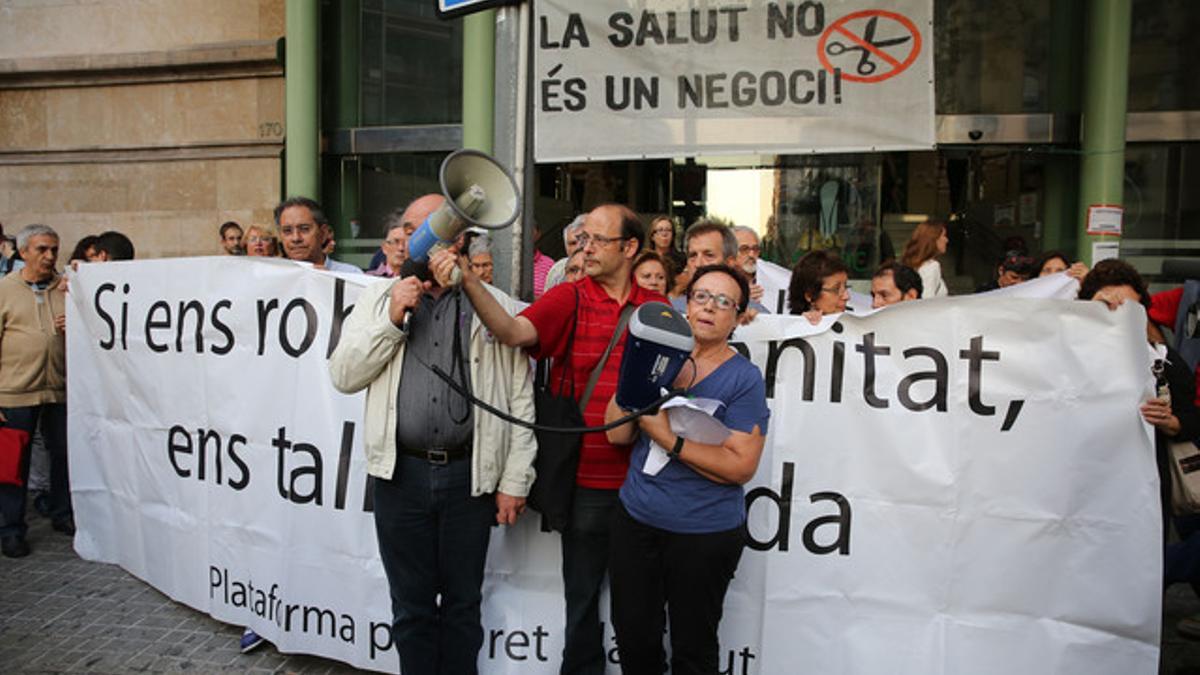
column 447, row 267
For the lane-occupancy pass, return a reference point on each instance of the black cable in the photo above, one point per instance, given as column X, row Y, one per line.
column 648, row 410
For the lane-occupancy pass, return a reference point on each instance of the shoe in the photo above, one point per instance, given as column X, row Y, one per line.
column 1189, row 627
column 65, row 525
column 41, row 504
column 250, row 641
column 14, row 546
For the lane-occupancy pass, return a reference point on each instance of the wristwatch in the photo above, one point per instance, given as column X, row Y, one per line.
column 677, row 448
column 404, row 325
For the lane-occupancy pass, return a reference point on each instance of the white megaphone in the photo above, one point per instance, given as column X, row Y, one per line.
column 479, row 193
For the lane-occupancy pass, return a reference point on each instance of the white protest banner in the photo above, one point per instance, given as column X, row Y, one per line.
column 954, row 486
column 629, row 79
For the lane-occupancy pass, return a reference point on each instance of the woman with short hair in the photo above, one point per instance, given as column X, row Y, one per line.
column 678, row 534
column 819, row 286
column 261, row 241
column 651, row 272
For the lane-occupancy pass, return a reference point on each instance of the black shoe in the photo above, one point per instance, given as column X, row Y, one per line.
column 65, row 525
column 14, row 546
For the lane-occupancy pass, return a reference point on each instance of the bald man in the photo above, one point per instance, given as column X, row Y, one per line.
column 444, row 474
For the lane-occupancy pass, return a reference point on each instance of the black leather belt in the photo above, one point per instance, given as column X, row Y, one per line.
column 439, row 455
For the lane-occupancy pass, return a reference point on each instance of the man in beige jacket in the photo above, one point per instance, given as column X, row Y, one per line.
column 33, row 380
column 444, row 471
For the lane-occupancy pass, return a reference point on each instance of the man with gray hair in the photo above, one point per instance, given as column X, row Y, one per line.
column 570, row 241
column 708, row 241
column 748, row 251
column 33, row 384
column 304, row 231
column 479, row 257
column 395, row 245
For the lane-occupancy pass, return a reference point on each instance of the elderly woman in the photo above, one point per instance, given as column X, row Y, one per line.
column 678, row 535
column 261, row 240
column 650, row 272
column 819, row 286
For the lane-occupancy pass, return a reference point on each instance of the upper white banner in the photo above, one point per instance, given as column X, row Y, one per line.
column 633, row 79
column 960, row 485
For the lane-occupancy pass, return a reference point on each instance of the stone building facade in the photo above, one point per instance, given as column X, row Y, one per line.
column 158, row 118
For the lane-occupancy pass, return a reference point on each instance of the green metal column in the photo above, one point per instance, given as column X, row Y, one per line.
column 1062, row 166
column 479, row 79
column 301, row 72
column 348, row 60
column 1105, row 97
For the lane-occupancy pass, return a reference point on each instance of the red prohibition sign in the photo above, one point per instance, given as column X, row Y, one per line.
column 868, row 46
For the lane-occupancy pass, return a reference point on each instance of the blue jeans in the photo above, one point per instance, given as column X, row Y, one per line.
column 585, row 562
column 53, row 417
column 433, row 541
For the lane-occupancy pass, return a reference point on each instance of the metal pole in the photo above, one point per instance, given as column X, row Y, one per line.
column 1105, row 97
column 349, row 43
column 301, row 74
column 1062, row 167
column 479, row 79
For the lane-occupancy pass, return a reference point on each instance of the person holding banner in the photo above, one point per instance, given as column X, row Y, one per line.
column 306, row 234
column 894, row 283
column 678, row 533
column 819, row 286
column 1172, row 413
column 443, row 474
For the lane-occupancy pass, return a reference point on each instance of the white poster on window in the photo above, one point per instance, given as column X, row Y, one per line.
column 961, row 485
column 629, row 79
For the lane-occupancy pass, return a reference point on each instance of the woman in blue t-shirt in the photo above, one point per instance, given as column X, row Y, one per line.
column 678, row 536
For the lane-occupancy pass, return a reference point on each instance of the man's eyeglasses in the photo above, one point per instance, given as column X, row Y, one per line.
column 702, row 297
column 482, row 266
column 304, row 229
column 584, row 239
column 748, row 248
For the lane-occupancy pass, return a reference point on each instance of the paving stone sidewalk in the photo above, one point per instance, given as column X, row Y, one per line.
column 62, row 614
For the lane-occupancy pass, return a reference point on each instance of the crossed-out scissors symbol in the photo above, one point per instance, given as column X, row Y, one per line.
column 867, row 44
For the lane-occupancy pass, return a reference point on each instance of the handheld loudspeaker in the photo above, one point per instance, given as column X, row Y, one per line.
column 659, row 342
column 479, row 193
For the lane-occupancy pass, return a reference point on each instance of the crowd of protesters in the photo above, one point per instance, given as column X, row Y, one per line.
column 668, row 542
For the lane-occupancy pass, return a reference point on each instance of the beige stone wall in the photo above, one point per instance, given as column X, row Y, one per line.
column 33, row 28
column 167, row 208
column 158, row 118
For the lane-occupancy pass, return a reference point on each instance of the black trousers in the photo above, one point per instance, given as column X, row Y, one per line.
column 689, row 574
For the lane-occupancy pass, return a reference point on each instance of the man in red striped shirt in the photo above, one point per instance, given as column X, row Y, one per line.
column 611, row 238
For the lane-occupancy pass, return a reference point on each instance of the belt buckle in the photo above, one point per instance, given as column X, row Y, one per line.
column 438, row 456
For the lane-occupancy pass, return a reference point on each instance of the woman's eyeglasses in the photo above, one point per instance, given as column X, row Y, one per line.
column 703, row 297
